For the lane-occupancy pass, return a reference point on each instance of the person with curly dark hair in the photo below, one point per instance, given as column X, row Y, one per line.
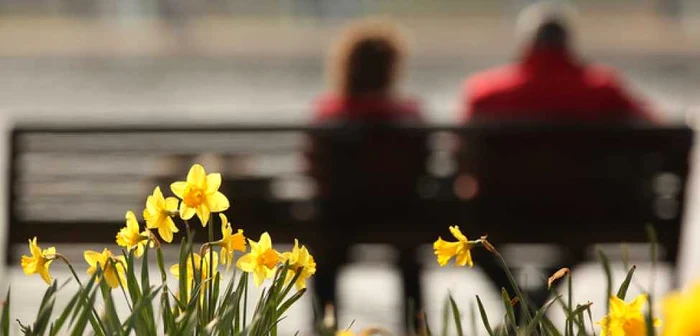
column 366, row 173
column 363, row 70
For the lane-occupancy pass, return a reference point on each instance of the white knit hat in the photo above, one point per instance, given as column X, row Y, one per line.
column 532, row 17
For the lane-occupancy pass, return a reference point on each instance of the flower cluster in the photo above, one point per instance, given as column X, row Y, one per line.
column 198, row 195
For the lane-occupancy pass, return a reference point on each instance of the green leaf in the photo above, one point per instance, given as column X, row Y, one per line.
column 445, row 317
column 426, row 326
column 590, row 319
column 622, row 292
column 182, row 261
column 5, row 319
column 651, row 331
column 58, row 324
column 45, row 309
column 86, row 313
column 168, row 318
column 608, row 278
column 456, row 316
column 511, row 279
column 110, row 312
column 132, row 319
column 550, row 327
column 539, row 315
column 284, row 306
column 484, row 317
column 510, row 313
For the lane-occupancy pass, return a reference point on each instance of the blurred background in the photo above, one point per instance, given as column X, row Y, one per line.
column 151, row 63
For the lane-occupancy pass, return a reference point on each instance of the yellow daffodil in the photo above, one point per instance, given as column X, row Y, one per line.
column 39, row 262
column 344, row 333
column 261, row 260
column 113, row 267
column 201, row 267
column 460, row 249
column 158, row 212
column 681, row 311
column 299, row 258
column 200, row 194
column 626, row 319
column 130, row 237
column 230, row 241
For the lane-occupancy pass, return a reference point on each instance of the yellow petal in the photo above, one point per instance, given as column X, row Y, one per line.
column 196, row 176
column 44, row 273
column 464, row 258
column 171, row 203
column 259, row 276
column 217, row 202
column 28, row 264
column 111, row 278
column 246, row 263
column 171, row 225
column 203, row 214
column 638, row 302
column 34, row 247
column 92, row 258
column 151, row 206
column 186, row 212
column 178, row 188
column 157, row 194
column 213, row 182
column 138, row 252
column 265, row 242
column 165, row 233
column 175, row 270
column 457, row 233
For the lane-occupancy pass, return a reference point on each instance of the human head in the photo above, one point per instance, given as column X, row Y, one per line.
column 367, row 59
column 546, row 24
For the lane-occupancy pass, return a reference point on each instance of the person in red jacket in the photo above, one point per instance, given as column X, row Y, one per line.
column 549, row 83
column 365, row 172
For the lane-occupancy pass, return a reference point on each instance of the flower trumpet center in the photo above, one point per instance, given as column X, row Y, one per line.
column 268, row 258
column 193, row 197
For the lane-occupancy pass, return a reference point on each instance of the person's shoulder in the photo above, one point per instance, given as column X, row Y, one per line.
column 492, row 81
column 602, row 76
column 328, row 106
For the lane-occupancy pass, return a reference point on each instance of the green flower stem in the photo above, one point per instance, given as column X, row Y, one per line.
column 513, row 282
column 80, row 284
column 211, row 269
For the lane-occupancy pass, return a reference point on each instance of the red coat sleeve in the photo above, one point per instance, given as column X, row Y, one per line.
column 633, row 107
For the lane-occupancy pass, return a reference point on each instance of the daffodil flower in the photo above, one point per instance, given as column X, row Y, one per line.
column 158, row 212
column 299, row 259
column 626, row 319
column 200, row 267
column 460, row 249
column 129, row 236
column 200, row 194
column 681, row 311
column 113, row 267
column 39, row 261
column 261, row 260
column 230, row 242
